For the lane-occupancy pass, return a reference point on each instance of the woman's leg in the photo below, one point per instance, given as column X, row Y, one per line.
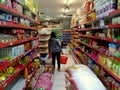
column 58, row 60
column 53, row 60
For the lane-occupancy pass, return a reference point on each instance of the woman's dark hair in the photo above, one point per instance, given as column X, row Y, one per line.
column 53, row 35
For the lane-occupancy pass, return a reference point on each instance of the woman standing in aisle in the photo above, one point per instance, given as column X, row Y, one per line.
column 54, row 49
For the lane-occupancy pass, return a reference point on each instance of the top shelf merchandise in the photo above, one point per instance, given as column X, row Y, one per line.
column 19, row 41
column 99, row 39
column 13, row 10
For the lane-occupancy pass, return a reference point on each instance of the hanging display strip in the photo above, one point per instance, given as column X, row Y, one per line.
column 16, row 13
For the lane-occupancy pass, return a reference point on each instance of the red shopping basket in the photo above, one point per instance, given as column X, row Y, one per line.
column 63, row 59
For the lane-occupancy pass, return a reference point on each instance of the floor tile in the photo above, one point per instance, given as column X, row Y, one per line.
column 59, row 82
column 59, row 76
column 58, row 88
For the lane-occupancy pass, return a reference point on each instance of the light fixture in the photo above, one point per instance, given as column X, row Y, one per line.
column 68, row 3
column 66, row 9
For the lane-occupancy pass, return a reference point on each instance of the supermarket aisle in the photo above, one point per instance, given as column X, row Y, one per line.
column 59, row 77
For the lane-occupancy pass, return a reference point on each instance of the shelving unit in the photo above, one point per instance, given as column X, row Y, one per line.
column 102, row 66
column 23, row 82
column 30, row 49
column 14, row 25
column 44, row 43
column 65, row 37
column 17, row 42
column 11, row 11
column 75, row 58
column 88, row 33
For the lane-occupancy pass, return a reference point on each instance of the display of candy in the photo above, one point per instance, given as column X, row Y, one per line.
column 14, row 5
column 7, row 38
column 15, row 19
column 3, row 16
column 4, row 74
column 9, row 3
column 9, row 17
column 20, row 8
column 44, row 81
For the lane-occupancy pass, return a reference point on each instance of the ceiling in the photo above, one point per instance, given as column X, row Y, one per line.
column 55, row 8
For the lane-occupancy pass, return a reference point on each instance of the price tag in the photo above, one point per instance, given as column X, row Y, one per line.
column 102, row 24
column 4, row 23
column 11, row 43
column 114, row 40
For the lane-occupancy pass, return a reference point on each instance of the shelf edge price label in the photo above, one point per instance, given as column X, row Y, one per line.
column 114, row 40
column 11, row 43
column 4, row 23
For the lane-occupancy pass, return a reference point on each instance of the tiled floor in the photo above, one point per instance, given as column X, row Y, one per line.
column 59, row 77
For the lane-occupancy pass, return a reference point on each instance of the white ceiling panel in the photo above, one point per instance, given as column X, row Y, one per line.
column 54, row 8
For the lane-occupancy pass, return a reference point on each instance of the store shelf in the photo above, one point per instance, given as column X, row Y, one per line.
column 114, row 26
column 17, row 42
column 102, row 66
column 15, row 25
column 98, row 50
column 85, row 29
column 93, row 28
column 80, row 59
column 74, row 44
column 11, row 11
column 16, row 59
column 4, row 66
column 99, row 38
column 27, row 80
column 75, row 58
column 115, row 12
column 43, row 52
column 44, row 39
column 74, row 26
column 89, row 46
column 43, row 46
column 6, row 82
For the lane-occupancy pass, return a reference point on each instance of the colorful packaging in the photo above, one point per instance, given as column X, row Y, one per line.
column 14, row 5
column 9, row 3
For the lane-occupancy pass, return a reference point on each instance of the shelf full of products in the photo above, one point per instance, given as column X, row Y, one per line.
column 99, row 40
column 19, row 42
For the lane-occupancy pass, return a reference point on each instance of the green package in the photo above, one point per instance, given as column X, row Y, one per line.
column 3, row 2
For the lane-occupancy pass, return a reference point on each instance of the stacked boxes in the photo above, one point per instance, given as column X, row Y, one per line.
column 10, row 53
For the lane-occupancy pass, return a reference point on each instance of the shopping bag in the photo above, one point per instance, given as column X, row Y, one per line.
column 63, row 59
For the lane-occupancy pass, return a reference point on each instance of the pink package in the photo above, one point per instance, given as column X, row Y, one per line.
column 44, row 81
column 9, row 3
column 14, row 4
